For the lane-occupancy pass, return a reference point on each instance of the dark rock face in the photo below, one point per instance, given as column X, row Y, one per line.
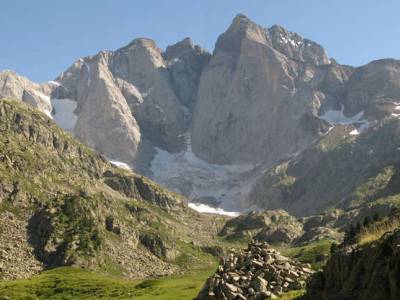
column 185, row 64
column 369, row 272
column 373, row 87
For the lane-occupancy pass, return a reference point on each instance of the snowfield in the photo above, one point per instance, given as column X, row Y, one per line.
column 205, row 185
column 120, row 164
column 63, row 113
column 203, row 208
column 337, row 117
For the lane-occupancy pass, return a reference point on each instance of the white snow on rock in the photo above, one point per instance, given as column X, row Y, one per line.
column 63, row 113
column 337, row 117
column 354, row 132
column 56, row 83
column 203, row 208
column 42, row 96
column 121, row 165
column 200, row 181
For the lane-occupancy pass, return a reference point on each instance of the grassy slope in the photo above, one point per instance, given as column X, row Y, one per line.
column 34, row 157
column 310, row 253
column 73, row 283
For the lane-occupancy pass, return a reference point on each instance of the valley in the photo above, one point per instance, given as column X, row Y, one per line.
column 264, row 169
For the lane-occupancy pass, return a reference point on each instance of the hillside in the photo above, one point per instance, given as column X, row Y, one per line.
column 363, row 271
column 62, row 204
column 340, row 171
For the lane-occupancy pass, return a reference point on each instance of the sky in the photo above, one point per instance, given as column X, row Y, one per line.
column 42, row 38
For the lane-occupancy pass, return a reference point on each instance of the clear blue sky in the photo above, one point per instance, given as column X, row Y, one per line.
column 41, row 38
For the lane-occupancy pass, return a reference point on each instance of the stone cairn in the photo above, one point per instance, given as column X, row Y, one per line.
column 259, row 272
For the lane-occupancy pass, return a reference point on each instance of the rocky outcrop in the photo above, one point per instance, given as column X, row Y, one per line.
column 18, row 87
column 259, row 272
column 267, row 226
column 367, row 272
column 277, row 227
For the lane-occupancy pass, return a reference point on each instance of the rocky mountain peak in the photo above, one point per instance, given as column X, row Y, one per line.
column 142, row 42
column 182, row 46
column 242, row 28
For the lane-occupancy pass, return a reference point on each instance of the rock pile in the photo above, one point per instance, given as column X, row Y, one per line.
column 259, row 272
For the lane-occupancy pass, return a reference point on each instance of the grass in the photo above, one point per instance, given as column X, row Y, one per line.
column 375, row 231
column 73, row 283
column 311, row 253
column 293, row 295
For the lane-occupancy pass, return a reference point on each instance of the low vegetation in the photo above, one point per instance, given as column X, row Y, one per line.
column 75, row 283
column 315, row 253
column 376, row 230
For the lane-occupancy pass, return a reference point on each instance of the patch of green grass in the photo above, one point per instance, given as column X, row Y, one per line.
column 74, row 283
column 312, row 253
column 293, row 295
column 172, row 288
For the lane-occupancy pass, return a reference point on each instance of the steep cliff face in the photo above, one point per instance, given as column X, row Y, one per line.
column 258, row 97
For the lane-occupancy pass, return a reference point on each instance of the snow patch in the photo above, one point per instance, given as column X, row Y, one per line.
column 354, row 132
column 337, row 117
column 56, row 83
column 121, row 165
column 185, row 173
column 42, row 96
column 63, row 113
column 203, row 208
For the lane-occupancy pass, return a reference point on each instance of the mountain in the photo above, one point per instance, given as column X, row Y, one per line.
column 62, row 204
column 214, row 127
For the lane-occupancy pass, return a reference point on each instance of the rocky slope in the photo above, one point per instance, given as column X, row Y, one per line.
column 64, row 204
column 366, row 272
column 339, row 171
column 263, row 96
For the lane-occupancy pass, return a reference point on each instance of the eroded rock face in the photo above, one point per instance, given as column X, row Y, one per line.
column 18, row 87
column 185, row 63
column 256, row 95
